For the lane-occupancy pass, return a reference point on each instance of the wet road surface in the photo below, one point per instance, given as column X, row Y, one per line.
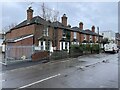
column 91, row 71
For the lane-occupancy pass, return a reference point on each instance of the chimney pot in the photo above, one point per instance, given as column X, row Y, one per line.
column 69, row 25
column 93, row 28
column 81, row 25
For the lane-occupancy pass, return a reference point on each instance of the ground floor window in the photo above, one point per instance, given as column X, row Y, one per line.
column 62, row 45
column 66, row 45
column 47, row 44
column 42, row 47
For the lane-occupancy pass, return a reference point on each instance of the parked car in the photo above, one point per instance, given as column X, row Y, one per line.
column 111, row 47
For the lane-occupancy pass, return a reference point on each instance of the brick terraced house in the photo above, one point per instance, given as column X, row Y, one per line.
column 48, row 35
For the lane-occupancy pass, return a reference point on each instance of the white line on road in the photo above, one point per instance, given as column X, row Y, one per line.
column 2, row 80
column 1, row 73
column 39, row 81
column 65, row 61
column 2, row 63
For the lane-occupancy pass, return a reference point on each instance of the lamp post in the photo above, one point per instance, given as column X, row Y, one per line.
column 98, row 40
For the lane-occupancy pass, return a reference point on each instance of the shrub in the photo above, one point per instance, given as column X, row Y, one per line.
column 96, row 48
column 85, row 48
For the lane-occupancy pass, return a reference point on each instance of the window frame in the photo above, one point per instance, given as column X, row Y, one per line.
column 75, row 35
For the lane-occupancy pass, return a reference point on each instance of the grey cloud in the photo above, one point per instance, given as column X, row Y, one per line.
column 99, row 14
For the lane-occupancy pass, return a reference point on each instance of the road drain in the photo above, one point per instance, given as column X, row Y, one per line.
column 65, row 75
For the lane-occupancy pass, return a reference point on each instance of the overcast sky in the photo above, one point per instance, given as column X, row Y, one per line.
column 102, row 14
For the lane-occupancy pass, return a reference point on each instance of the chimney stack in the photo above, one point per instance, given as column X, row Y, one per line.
column 81, row 25
column 69, row 25
column 93, row 28
column 29, row 14
column 64, row 20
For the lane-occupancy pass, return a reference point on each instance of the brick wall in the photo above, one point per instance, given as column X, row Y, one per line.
column 20, row 31
column 59, row 34
column 93, row 38
column 81, row 37
column 38, row 33
column 39, row 55
column 72, row 36
column 78, row 36
column 25, row 42
column 88, row 38
column 51, row 32
column 7, row 36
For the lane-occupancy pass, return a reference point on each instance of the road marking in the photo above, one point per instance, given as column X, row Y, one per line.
column 2, row 80
column 102, row 86
column 2, row 63
column 65, row 60
column 39, row 81
column 1, row 73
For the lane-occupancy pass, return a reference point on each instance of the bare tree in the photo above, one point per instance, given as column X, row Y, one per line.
column 43, row 11
column 48, row 13
column 7, row 28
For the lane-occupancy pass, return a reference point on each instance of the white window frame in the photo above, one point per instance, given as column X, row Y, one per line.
column 46, row 32
column 85, row 36
column 90, row 37
column 75, row 35
column 96, row 38
column 42, row 46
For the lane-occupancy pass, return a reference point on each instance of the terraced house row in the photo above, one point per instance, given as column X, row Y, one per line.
column 49, row 35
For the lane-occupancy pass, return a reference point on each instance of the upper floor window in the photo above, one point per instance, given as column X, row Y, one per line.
column 64, row 31
column 45, row 32
column 84, row 36
column 90, row 37
column 96, row 38
column 102, row 33
column 75, row 35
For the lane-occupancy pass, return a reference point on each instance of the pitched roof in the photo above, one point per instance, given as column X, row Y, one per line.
column 39, row 20
column 78, row 30
column 34, row 20
column 45, row 38
column 90, row 32
column 58, row 24
column 87, row 31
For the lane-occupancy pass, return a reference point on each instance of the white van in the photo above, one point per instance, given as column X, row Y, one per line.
column 111, row 47
column 3, row 48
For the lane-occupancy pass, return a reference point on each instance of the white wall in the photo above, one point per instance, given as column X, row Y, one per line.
column 108, row 34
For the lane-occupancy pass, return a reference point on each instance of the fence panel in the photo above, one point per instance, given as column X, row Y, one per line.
column 18, row 53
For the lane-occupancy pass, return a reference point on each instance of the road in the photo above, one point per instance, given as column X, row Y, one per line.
column 91, row 71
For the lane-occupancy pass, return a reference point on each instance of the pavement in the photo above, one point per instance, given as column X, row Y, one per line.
column 91, row 71
column 24, row 64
